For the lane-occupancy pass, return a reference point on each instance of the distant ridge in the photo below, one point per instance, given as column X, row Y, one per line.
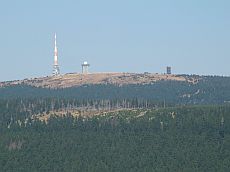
column 76, row 79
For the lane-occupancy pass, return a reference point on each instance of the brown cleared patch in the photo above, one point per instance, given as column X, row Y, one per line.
column 76, row 79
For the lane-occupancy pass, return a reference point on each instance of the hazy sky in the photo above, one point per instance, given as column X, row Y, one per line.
column 192, row 36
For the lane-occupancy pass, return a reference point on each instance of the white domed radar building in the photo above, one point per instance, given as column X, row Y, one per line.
column 85, row 67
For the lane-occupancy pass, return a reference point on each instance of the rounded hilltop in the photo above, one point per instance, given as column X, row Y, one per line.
column 116, row 78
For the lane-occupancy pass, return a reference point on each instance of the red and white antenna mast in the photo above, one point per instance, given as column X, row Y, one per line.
column 56, row 70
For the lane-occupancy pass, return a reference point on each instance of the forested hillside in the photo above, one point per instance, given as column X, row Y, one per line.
column 209, row 90
column 162, row 126
column 171, row 139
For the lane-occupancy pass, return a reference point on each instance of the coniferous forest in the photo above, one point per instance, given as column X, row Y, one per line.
column 155, row 127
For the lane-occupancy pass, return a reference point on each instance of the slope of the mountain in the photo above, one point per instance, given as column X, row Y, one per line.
column 116, row 87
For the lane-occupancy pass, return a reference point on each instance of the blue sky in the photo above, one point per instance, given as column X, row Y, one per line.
column 192, row 36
